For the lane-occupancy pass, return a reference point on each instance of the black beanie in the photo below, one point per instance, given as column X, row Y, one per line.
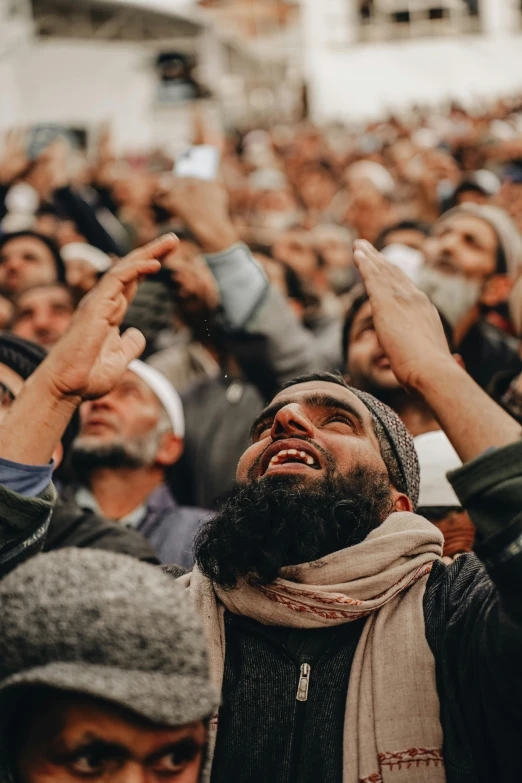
column 49, row 243
column 23, row 357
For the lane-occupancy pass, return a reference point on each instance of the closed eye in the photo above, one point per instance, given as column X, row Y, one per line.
column 340, row 417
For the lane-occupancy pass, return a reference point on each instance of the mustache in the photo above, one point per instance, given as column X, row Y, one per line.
column 327, row 458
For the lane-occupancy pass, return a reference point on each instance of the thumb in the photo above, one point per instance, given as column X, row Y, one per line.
column 132, row 344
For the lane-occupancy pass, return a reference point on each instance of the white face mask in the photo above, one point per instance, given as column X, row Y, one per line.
column 453, row 295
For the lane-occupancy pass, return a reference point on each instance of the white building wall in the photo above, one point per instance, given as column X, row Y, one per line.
column 351, row 80
column 84, row 83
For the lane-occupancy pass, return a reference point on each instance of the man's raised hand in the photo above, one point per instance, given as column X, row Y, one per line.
column 92, row 356
column 407, row 324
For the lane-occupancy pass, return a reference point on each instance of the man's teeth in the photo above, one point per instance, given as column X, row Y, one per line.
column 281, row 455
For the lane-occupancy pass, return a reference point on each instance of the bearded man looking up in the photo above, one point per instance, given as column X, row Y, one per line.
column 344, row 648
column 357, row 655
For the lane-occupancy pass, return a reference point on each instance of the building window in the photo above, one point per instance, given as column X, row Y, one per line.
column 385, row 19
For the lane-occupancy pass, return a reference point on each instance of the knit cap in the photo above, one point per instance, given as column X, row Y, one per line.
column 108, row 626
column 397, row 446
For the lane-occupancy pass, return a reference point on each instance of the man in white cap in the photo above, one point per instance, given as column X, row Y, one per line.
column 84, row 264
column 128, row 440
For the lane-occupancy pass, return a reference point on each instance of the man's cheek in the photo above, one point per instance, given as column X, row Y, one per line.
column 246, row 462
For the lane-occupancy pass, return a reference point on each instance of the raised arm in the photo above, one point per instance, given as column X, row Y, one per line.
column 410, row 332
column 85, row 364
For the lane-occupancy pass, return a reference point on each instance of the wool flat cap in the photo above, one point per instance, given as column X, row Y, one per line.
column 108, row 626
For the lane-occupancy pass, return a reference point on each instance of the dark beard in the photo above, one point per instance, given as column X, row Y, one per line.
column 83, row 461
column 281, row 521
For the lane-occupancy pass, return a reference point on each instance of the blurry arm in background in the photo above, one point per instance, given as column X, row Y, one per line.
column 264, row 333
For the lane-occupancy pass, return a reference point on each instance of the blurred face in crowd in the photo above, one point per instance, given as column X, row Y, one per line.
column 312, row 482
column 276, row 210
column 81, row 276
column 463, row 245
column 43, row 314
column 461, row 267
column 335, row 244
column 126, row 428
column 367, row 365
column 317, row 189
column 77, row 738
column 296, row 249
column 25, row 262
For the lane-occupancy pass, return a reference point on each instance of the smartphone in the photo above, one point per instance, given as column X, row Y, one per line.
column 201, row 162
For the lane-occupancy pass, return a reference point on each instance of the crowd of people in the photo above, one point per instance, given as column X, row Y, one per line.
column 297, row 388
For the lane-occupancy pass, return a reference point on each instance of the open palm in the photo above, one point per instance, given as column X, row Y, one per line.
column 92, row 355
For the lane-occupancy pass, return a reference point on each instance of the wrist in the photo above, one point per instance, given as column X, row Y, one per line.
column 216, row 239
column 51, row 395
column 438, row 373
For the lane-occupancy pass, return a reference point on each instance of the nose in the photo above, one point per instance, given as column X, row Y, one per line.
column 449, row 243
column 133, row 772
column 290, row 421
column 101, row 403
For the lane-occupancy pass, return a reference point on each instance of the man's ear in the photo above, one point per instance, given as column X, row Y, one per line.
column 496, row 290
column 58, row 456
column 170, row 450
column 401, row 502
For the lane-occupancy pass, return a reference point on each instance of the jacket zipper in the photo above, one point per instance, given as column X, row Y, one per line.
column 304, row 682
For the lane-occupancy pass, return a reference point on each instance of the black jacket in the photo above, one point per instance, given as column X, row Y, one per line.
column 71, row 525
column 473, row 624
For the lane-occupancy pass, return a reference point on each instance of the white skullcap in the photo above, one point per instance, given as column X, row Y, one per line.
column 164, row 391
column 436, row 457
column 80, row 251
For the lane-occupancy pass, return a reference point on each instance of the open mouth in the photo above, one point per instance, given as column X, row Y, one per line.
column 289, row 456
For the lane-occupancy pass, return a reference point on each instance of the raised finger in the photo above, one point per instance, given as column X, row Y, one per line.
column 155, row 249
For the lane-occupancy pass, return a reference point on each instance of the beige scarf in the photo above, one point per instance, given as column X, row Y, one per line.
column 392, row 731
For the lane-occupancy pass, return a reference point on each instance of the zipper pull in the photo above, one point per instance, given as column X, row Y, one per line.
column 304, row 682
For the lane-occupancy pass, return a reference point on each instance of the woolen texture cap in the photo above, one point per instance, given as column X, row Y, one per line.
column 397, row 446
column 109, row 626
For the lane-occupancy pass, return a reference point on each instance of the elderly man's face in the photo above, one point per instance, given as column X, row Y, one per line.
column 78, row 738
column 463, row 245
column 25, row 262
column 123, row 429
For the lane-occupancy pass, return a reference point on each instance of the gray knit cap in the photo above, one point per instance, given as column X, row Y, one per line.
column 109, row 626
column 397, row 446
column 508, row 235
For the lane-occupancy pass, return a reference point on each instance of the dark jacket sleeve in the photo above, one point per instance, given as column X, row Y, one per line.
column 473, row 612
column 23, row 525
column 76, row 208
column 71, row 526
